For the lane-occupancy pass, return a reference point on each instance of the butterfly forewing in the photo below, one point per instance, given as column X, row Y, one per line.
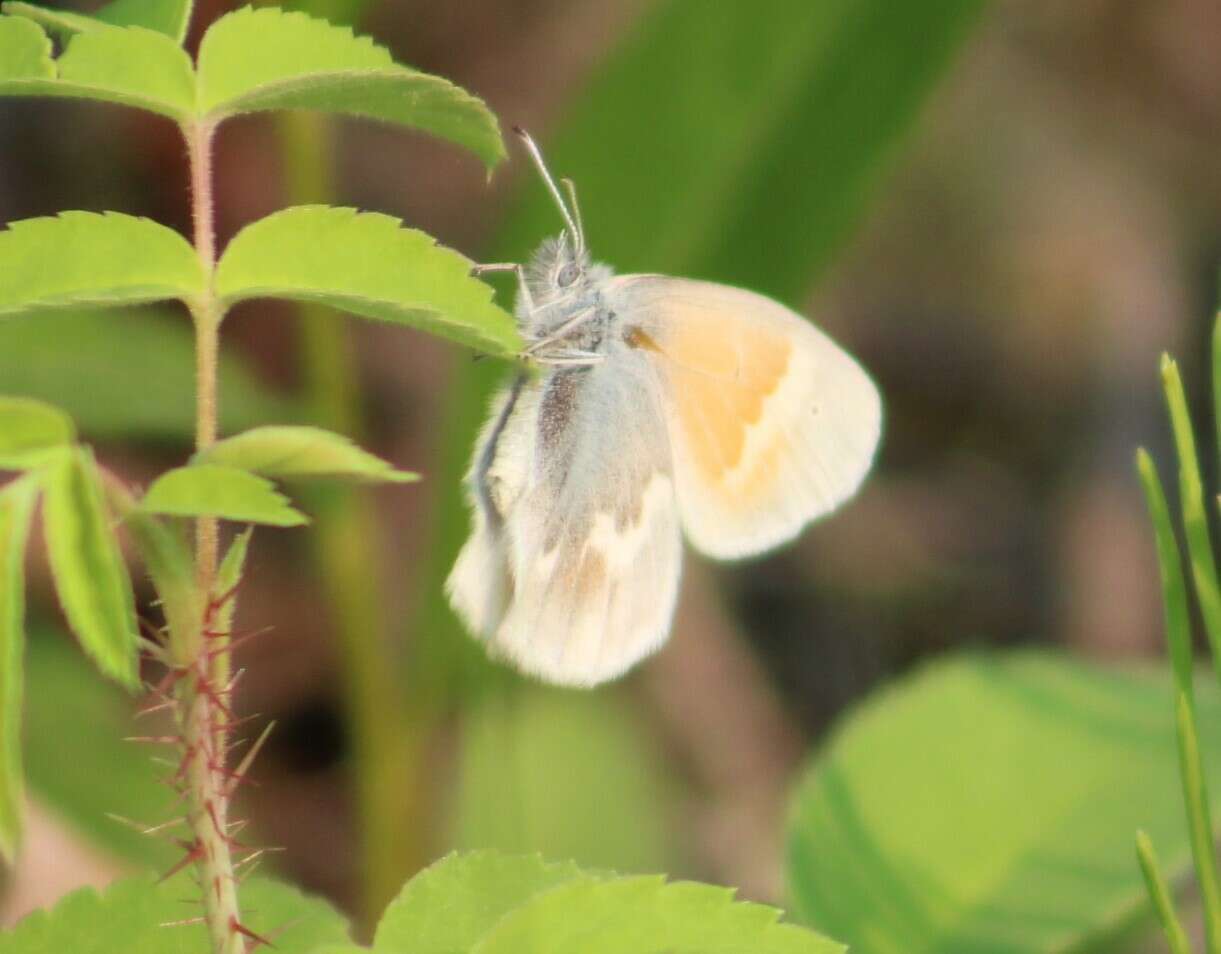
column 771, row 423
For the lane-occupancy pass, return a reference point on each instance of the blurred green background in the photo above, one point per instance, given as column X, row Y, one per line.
column 1005, row 210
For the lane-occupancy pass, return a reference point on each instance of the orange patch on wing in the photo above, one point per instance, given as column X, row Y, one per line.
column 723, row 375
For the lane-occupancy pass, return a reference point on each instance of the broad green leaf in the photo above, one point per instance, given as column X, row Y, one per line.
column 367, row 264
column 988, row 803
column 76, row 761
column 130, row 66
column 253, row 60
column 646, row 916
column 299, row 451
column 519, row 789
column 124, row 374
column 90, row 576
column 30, row 429
column 17, row 500
column 449, row 906
column 128, row 918
column 214, row 491
column 25, row 51
column 82, row 257
column 752, row 163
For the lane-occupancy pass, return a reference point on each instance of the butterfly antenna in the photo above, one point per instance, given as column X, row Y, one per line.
column 537, row 155
column 571, row 189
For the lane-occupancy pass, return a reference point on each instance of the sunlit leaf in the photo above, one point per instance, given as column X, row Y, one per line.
column 490, row 903
column 17, row 500
column 83, row 257
column 90, row 576
column 252, row 60
column 130, row 66
column 645, row 915
column 367, row 264
column 226, row 492
column 474, row 890
column 127, row 373
column 129, row 918
column 30, row 429
column 988, row 804
column 299, row 451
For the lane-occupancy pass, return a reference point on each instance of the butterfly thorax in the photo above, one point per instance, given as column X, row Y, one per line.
column 565, row 289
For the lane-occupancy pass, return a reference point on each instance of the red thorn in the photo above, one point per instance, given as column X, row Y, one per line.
column 168, row 680
column 194, row 853
column 238, row 927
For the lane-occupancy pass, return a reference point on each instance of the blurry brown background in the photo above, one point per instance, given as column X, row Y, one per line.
column 1051, row 226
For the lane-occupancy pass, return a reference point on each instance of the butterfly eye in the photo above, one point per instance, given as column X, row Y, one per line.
column 567, row 275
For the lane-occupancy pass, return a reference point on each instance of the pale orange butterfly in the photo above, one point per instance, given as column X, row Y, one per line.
column 661, row 406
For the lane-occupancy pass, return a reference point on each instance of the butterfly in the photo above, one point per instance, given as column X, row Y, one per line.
column 655, row 408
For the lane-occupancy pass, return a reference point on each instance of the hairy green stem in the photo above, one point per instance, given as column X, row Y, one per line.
column 203, row 686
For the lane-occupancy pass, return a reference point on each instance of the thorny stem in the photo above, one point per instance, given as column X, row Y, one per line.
column 203, row 689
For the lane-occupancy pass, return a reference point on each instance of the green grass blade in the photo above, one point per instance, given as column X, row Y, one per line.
column 1174, row 587
column 1199, row 819
column 16, row 507
column 1195, row 517
column 1160, row 897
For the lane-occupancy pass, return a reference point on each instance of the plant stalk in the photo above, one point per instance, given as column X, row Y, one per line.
column 203, row 686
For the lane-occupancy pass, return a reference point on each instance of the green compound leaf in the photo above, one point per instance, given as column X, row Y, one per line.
column 300, row 451
column 90, row 576
column 130, row 66
column 31, row 432
column 988, row 804
column 85, row 258
column 647, row 916
column 16, row 506
column 126, row 374
column 367, row 264
column 473, row 890
column 128, row 918
column 210, row 490
column 254, row 60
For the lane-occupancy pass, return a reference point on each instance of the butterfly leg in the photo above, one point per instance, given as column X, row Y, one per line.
column 568, row 359
column 522, row 288
column 579, row 318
